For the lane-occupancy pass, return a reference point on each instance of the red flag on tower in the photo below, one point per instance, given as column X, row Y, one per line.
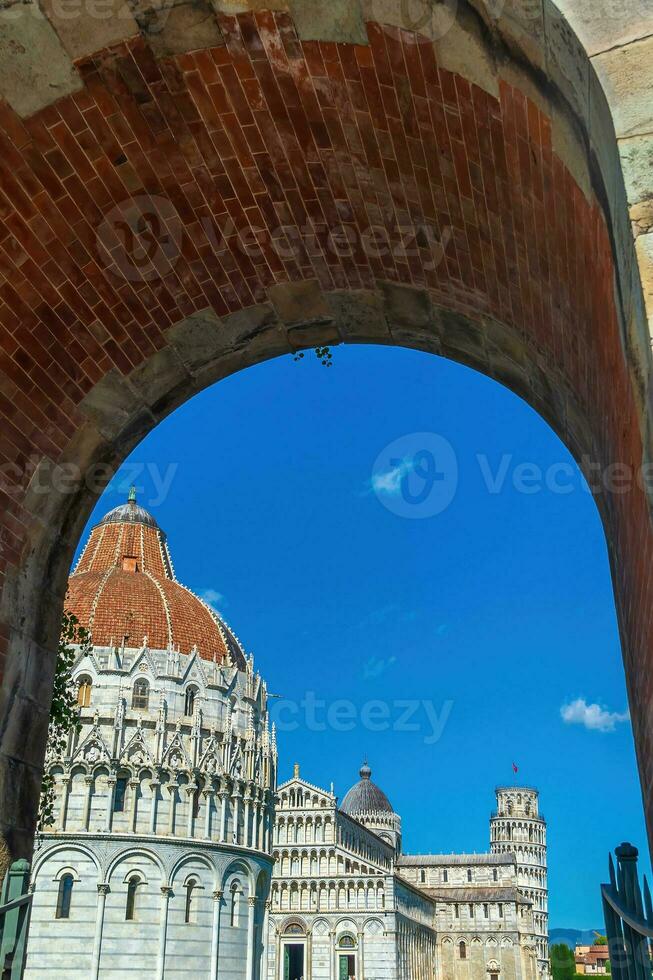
column 514, row 768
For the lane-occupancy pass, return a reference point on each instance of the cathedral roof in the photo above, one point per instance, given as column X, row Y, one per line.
column 365, row 796
column 124, row 590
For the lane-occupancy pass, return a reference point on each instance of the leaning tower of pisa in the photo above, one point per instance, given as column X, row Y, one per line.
column 518, row 826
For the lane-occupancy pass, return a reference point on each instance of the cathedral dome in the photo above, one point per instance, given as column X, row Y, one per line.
column 124, row 591
column 365, row 796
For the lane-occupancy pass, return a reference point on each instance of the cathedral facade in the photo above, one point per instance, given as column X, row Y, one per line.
column 347, row 903
column 173, row 853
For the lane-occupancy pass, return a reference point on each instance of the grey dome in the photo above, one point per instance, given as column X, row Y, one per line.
column 365, row 796
column 130, row 513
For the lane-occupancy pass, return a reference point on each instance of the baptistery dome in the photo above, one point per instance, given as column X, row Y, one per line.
column 124, row 591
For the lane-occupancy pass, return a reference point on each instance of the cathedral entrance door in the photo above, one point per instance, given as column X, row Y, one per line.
column 293, row 961
column 347, row 967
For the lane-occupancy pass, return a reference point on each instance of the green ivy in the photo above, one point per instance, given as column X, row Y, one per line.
column 64, row 713
column 323, row 354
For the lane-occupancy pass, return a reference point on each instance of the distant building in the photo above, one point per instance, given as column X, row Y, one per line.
column 592, row 960
column 517, row 827
column 346, row 903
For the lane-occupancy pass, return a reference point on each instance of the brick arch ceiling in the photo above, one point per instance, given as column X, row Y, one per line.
column 169, row 190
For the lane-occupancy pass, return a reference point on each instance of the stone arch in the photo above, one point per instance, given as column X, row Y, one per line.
column 135, row 852
column 239, row 868
column 52, row 852
column 118, row 361
column 197, row 858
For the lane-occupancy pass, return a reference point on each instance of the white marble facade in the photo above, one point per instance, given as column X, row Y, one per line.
column 347, row 903
column 338, row 910
column 159, row 861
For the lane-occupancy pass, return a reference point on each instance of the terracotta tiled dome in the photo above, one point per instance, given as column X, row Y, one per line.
column 124, row 589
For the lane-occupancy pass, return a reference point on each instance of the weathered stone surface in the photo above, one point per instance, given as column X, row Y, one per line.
column 462, row 49
column 179, row 27
column 503, row 340
column 359, row 315
column 35, row 70
column 85, row 26
column 111, row 404
column 406, row 306
column 198, row 339
column 299, row 302
column 603, row 24
column 243, row 6
column 159, row 377
column 567, row 140
column 338, row 20
column 430, row 18
column 520, row 23
column 463, row 339
column 637, row 160
column 644, row 250
column 625, row 74
column 566, row 60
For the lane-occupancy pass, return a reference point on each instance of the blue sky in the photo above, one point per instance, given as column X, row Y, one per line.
column 303, row 502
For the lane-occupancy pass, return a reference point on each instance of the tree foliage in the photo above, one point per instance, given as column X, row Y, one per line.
column 323, row 354
column 64, row 712
column 563, row 964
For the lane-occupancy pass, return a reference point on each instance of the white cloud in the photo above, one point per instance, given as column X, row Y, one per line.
column 213, row 599
column 592, row 716
column 390, row 481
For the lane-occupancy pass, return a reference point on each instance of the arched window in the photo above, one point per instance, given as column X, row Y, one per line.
column 191, row 697
column 84, row 686
column 190, row 901
column 235, row 904
column 64, row 896
column 132, row 898
column 141, row 695
column 469, row 874
column 119, row 794
column 422, row 876
column 462, row 950
column 495, row 874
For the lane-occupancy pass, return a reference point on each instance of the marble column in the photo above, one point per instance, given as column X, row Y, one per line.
column 215, row 934
column 224, row 797
column 206, row 795
column 154, row 786
column 236, row 818
column 246, row 828
column 102, row 891
column 166, row 892
column 249, row 971
column 89, row 780
column 111, row 783
column 191, row 789
column 134, row 786
column 65, row 790
column 172, row 790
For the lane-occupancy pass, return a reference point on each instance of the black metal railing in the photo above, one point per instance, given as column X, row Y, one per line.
column 628, row 917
